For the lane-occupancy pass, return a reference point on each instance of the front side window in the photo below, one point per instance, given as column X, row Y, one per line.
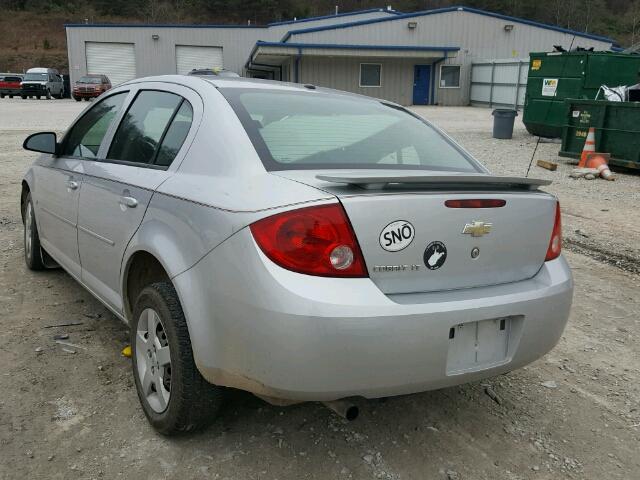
column 370, row 75
column 85, row 137
column 450, row 76
column 307, row 130
column 153, row 117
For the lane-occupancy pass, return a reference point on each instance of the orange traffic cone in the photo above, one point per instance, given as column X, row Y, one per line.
column 599, row 162
column 589, row 147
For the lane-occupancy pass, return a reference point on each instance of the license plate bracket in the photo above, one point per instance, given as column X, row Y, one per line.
column 478, row 345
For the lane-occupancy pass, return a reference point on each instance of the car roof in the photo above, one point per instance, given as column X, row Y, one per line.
column 194, row 81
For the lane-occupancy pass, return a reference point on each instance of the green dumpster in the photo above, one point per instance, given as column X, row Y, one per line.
column 555, row 76
column 617, row 126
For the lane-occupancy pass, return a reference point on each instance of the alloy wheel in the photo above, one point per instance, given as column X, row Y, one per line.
column 28, row 230
column 153, row 360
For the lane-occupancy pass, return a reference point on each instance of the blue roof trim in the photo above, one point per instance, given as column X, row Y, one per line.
column 153, row 25
column 337, row 46
column 340, row 46
column 446, row 10
column 324, row 17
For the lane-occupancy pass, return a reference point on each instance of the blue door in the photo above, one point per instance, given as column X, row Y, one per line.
column 421, row 82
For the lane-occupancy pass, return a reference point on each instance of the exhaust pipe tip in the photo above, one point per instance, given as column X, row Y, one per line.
column 352, row 413
column 346, row 409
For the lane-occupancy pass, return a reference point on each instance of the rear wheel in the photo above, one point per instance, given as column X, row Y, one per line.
column 1, row 95
column 10, row 96
column 48, row 94
column 174, row 395
column 23, row 96
column 32, row 249
column 77, row 99
column 37, row 97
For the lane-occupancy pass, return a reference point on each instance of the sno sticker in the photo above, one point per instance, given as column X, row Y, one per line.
column 397, row 236
column 435, row 255
column 549, row 87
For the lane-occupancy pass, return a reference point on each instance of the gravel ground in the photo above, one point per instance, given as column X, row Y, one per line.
column 573, row 414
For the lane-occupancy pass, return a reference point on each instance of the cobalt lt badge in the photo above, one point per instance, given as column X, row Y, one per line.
column 435, row 255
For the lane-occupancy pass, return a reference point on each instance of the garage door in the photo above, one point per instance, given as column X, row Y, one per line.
column 189, row 57
column 115, row 60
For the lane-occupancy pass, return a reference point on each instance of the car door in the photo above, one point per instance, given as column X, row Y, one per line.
column 119, row 186
column 58, row 182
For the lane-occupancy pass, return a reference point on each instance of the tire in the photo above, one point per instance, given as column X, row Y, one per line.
column 32, row 250
column 10, row 96
column 1, row 95
column 48, row 95
column 192, row 403
column 23, row 97
column 37, row 97
column 77, row 99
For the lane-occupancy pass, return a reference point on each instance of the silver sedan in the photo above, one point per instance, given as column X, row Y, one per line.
column 299, row 243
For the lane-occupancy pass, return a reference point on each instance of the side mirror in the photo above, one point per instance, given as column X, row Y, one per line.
column 43, row 142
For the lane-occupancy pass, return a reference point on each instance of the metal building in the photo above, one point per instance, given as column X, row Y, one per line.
column 415, row 58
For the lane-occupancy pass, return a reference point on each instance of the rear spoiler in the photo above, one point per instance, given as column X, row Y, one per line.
column 372, row 181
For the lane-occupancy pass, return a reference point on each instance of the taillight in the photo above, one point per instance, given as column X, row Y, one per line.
column 555, row 244
column 313, row 240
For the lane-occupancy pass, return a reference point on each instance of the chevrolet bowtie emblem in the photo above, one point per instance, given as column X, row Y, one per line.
column 477, row 229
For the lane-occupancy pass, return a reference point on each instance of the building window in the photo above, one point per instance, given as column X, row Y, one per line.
column 450, row 76
column 370, row 74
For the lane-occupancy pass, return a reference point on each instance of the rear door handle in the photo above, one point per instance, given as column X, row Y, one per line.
column 128, row 202
column 72, row 185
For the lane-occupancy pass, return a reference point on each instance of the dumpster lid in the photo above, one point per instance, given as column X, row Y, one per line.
column 505, row 112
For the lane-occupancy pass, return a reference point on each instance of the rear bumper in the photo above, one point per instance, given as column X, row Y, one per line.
column 258, row 327
column 10, row 91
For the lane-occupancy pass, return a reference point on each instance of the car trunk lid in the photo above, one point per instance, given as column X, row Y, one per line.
column 413, row 242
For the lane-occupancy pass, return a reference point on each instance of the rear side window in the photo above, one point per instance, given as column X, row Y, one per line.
column 307, row 130
column 85, row 137
column 175, row 136
column 151, row 129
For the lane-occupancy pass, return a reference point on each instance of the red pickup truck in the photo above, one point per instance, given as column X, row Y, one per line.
column 10, row 85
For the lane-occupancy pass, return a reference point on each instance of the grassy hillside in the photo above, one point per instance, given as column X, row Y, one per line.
column 29, row 39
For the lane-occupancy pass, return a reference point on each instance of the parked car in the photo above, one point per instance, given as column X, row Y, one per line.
column 42, row 82
column 299, row 243
column 218, row 72
column 90, row 86
column 10, row 85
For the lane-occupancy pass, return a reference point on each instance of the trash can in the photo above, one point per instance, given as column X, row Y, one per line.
column 503, row 119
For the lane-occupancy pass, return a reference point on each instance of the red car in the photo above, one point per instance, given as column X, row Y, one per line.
column 10, row 85
column 90, row 86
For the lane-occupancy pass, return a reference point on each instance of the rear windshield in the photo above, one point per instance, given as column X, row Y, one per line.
column 313, row 130
column 11, row 79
